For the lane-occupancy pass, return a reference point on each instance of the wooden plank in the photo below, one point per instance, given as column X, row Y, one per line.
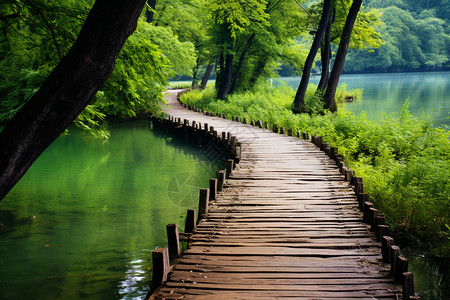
column 286, row 224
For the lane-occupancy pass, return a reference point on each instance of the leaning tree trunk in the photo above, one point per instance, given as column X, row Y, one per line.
column 325, row 54
column 299, row 101
column 226, row 76
column 339, row 61
column 68, row 89
column 206, row 76
column 241, row 62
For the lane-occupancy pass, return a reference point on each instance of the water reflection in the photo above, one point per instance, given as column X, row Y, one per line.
column 81, row 222
column 386, row 93
column 431, row 277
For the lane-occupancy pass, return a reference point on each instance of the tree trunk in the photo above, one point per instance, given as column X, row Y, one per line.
column 257, row 72
column 195, row 73
column 241, row 62
column 226, row 77
column 330, row 93
column 149, row 13
column 206, row 76
column 68, row 89
column 325, row 54
column 299, row 101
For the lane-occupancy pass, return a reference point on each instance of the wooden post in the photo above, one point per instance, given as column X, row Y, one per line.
column 367, row 207
column 203, row 203
column 275, row 128
column 244, row 121
column 161, row 267
column 206, row 127
column 220, row 180
column 395, row 251
column 190, row 221
column 252, row 123
column 386, row 243
column 383, row 230
column 173, row 241
column 333, row 152
column 373, row 213
column 266, row 125
column 186, row 122
column 359, row 186
column 238, row 119
column 379, row 220
column 237, row 159
column 259, row 123
column 299, row 134
column 401, row 266
column 230, row 165
column 282, row 130
column 212, row 188
column 348, row 174
column 289, row 132
column 361, row 199
column 327, row 149
column 408, row 285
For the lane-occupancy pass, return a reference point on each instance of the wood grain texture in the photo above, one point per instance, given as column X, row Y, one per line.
column 285, row 225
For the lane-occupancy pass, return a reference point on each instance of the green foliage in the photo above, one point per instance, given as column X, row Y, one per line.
column 416, row 38
column 36, row 34
column 404, row 160
column 141, row 72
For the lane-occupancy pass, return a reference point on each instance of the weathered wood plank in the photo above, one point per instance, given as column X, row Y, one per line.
column 285, row 225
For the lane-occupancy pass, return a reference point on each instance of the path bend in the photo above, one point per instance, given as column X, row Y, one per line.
column 287, row 225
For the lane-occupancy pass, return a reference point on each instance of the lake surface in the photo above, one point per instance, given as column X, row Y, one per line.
column 82, row 222
column 386, row 93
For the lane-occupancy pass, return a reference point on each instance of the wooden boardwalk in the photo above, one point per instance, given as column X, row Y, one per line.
column 287, row 225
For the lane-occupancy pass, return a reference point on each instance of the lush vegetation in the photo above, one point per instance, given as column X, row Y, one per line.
column 416, row 36
column 404, row 160
column 36, row 34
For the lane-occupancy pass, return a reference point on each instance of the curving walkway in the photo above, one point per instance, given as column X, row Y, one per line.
column 286, row 225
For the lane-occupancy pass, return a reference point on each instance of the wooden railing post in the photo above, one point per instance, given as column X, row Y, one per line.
column 386, row 243
column 190, row 221
column 408, row 286
column 203, row 203
column 395, row 251
column 383, row 230
column 161, row 267
column 230, row 166
column 173, row 241
column 401, row 266
column 220, row 180
column 212, row 188
column 367, row 207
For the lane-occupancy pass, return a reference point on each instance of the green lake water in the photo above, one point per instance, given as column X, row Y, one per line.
column 386, row 93
column 82, row 222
